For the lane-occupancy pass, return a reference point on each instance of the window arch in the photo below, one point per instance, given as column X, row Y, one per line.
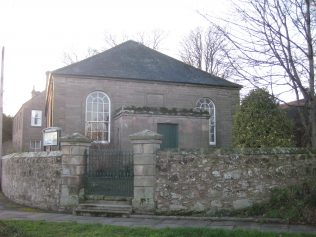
column 207, row 104
column 98, row 117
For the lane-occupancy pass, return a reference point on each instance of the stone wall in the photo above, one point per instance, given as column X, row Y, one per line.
column 194, row 181
column 165, row 181
column 33, row 178
column 47, row 180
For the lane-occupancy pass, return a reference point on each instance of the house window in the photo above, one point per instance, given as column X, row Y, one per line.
column 35, row 145
column 207, row 104
column 98, row 121
column 36, row 118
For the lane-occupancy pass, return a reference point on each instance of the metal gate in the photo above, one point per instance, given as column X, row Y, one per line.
column 109, row 173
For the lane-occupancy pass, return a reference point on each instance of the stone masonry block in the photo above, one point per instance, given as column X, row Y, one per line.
column 144, row 170
column 73, row 149
column 144, row 192
column 144, row 181
column 78, row 150
column 72, row 180
column 64, row 191
column 144, row 159
column 67, row 200
column 69, row 170
column 143, row 205
column 66, row 150
column 74, row 160
column 149, row 148
column 138, row 148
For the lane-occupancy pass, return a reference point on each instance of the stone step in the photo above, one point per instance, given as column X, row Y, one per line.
column 106, row 198
column 122, row 201
column 103, row 209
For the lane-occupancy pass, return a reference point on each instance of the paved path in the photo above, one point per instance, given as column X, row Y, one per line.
column 157, row 222
column 11, row 211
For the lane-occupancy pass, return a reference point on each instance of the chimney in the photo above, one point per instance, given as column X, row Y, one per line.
column 34, row 92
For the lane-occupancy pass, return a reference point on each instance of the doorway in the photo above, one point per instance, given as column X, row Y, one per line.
column 170, row 135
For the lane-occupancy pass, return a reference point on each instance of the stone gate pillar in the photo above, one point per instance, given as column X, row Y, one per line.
column 145, row 145
column 74, row 160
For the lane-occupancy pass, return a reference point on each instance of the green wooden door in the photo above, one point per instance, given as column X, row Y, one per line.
column 170, row 135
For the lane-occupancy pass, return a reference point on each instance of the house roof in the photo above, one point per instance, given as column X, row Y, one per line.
column 36, row 95
column 132, row 60
column 295, row 103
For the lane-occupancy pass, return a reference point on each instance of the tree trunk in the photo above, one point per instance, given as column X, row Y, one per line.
column 313, row 123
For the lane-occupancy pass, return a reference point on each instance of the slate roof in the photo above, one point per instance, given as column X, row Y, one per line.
column 132, row 60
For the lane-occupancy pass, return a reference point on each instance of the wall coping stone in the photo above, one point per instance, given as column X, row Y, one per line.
column 267, row 151
column 75, row 138
column 245, row 151
column 150, row 114
column 41, row 154
column 161, row 111
column 145, row 135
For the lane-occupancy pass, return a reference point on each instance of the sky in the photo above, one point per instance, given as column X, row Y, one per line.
column 37, row 33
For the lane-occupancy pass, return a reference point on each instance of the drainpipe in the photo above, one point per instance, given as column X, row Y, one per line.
column 1, row 110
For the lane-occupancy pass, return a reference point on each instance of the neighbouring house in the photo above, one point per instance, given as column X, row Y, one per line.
column 131, row 87
column 28, row 124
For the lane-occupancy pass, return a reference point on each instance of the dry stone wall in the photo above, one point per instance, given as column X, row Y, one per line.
column 33, row 178
column 208, row 181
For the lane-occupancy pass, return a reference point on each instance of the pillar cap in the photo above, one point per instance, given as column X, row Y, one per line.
column 145, row 135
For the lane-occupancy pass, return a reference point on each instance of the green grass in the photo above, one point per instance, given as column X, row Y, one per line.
column 69, row 229
column 295, row 204
column 10, row 205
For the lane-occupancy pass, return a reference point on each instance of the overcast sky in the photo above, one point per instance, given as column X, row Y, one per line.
column 37, row 33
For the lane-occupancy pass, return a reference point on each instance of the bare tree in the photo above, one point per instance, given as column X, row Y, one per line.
column 274, row 41
column 113, row 40
column 150, row 39
column 70, row 58
column 207, row 50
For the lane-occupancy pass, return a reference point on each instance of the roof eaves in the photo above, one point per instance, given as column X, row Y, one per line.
column 233, row 85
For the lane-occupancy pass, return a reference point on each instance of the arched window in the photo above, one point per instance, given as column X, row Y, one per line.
column 98, row 119
column 207, row 104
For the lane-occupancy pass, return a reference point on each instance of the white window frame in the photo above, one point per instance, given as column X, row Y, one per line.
column 33, row 146
column 206, row 104
column 34, row 114
column 98, row 115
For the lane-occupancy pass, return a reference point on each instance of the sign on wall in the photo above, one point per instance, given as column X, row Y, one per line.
column 51, row 136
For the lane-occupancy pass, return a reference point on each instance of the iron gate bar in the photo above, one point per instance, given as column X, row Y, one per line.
column 109, row 173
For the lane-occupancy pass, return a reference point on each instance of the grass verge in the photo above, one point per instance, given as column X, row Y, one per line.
column 69, row 229
column 10, row 205
column 295, row 204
